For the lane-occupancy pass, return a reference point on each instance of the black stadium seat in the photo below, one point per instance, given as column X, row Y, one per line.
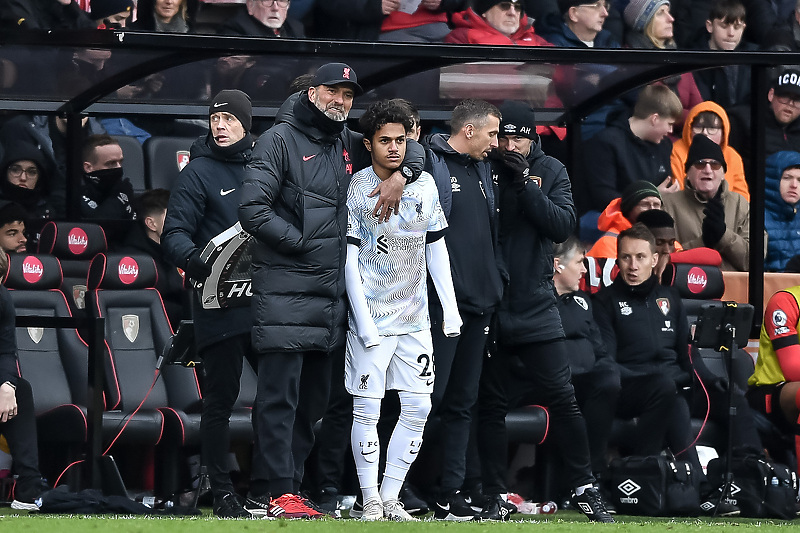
column 165, row 157
column 133, row 161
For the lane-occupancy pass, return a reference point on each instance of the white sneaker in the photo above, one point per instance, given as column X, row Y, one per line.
column 373, row 510
column 394, row 510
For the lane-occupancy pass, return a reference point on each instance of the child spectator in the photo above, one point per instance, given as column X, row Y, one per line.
column 728, row 86
column 781, row 196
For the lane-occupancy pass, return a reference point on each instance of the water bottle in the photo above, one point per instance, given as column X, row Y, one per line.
column 544, row 508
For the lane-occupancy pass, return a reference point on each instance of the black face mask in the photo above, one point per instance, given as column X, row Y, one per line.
column 105, row 178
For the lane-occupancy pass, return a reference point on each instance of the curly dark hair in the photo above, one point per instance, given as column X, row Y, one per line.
column 384, row 112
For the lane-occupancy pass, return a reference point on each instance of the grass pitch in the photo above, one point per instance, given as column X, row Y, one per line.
column 561, row 522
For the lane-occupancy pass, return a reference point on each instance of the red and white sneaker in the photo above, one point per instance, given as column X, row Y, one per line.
column 292, row 506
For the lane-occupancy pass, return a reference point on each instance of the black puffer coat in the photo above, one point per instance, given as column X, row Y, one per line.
column 294, row 203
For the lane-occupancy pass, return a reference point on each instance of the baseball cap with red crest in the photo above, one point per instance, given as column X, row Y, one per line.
column 335, row 74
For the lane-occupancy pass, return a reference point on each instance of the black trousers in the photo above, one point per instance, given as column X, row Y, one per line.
column 222, row 372
column 293, row 390
column 458, row 362
column 20, row 432
column 597, row 392
column 333, row 440
column 544, row 378
column 653, row 399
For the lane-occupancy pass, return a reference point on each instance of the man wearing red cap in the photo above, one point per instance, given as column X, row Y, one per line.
column 293, row 201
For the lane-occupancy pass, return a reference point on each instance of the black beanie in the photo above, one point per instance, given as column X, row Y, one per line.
column 518, row 119
column 236, row 103
column 482, row 6
column 635, row 193
column 704, row 148
column 564, row 5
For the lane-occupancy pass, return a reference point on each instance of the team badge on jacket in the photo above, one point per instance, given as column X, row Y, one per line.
column 663, row 305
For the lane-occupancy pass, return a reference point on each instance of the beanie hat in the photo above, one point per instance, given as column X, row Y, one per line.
column 635, row 193
column 518, row 119
column 482, row 6
column 639, row 12
column 11, row 212
column 236, row 103
column 704, row 148
column 336, row 73
column 105, row 8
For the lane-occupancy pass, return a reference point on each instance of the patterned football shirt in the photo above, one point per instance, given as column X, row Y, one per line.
column 391, row 257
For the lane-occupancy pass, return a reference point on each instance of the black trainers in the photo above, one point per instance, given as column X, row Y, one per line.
column 475, row 498
column 229, row 505
column 328, row 500
column 453, row 507
column 494, row 509
column 412, row 503
column 306, row 497
column 257, row 505
column 710, row 505
column 27, row 495
column 591, row 504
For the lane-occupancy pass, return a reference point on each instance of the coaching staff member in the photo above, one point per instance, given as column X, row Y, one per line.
column 294, row 203
column 202, row 205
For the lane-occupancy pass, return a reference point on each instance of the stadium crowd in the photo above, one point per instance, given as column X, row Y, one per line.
column 508, row 313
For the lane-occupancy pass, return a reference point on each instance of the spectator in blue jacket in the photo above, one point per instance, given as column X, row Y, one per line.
column 580, row 26
column 781, row 222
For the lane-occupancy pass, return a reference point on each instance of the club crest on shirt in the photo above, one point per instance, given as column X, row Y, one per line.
column 581, row 301
column 456, row 186
column 537, row 180
column 625, row 309
column 663, row 305
column 363, row 385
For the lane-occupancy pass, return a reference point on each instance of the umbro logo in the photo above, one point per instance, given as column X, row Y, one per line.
column 309, row 157
column 223, row 192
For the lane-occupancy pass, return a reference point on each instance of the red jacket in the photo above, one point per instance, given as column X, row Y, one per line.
column 471, row 28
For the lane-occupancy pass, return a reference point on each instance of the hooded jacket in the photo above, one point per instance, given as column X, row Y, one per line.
column 35, row 201
column 780, row 218
column 615, row 158
column 686, row 207
column 294, row 202
column 531, row 220
column 471, row 28
column 474, row 256
column 198, row 211
column 680, row 150
column 612, row 222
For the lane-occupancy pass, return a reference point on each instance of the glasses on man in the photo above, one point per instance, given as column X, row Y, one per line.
column 268, row 3
column 597, row 5
column 788, row 100
column 701, row 165
column 506, row 6
column 16, row 171
column 707, row 130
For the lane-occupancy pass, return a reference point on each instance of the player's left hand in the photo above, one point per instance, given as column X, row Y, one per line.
column 390, row 190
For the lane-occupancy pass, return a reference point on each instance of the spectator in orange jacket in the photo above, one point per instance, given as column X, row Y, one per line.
column 712, row 121
column 495, row 22
column 621, row 214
